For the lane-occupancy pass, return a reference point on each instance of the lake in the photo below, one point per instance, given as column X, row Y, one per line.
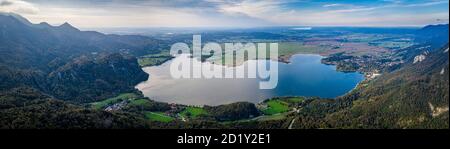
column 304, row 76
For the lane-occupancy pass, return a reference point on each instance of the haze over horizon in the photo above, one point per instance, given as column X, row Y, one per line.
column 230, row 13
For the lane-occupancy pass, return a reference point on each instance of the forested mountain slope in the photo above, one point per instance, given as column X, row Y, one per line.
column 415, row 96
column 26, row 108
column 67, row 63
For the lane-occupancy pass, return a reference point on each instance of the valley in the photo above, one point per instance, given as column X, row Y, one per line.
column 62, row 77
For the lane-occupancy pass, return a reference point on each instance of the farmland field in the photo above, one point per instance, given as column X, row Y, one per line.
column 154, row 59
column 158, row 116
column 193, row 112
column 109, row 101
column 276, row 106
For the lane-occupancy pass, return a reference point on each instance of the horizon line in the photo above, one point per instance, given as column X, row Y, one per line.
column 274, row 26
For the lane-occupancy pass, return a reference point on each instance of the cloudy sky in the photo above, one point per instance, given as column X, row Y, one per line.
column 231, row 13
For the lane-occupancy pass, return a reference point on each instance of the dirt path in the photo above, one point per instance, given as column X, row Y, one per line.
column 292, row 123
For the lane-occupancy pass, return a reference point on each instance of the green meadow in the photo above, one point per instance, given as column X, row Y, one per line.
column 193, row 112
column 275, row 106
column 158, row 116
column 109, row 101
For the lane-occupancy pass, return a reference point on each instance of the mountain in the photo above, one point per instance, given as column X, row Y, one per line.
column 87, row 79
column 26, row 45
column 17, row 17
column 435, row 35
column 44, row 68
column 66, row 63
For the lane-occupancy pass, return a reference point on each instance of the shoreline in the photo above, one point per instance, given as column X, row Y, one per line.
column 282, row 60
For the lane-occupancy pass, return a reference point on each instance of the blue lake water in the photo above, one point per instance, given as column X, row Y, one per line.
column 304, row 76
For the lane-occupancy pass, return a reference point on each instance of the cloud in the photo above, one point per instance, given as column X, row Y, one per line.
column 224, row 13
column 427, row 4
column 351, row 10
column 18, row 6
column 332, row 5
column 251, row 8
column 6, row 3
column 393, row 1
column 141, row 14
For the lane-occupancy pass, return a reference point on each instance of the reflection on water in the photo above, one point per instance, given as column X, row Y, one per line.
column 304, row 76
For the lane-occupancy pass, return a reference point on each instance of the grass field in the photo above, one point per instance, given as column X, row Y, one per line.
column 284, row 49
column 154, row 59
column 275, row 106
column 158, row 116
column 392, row 44
column 109, row 101
column 193, row 112
column 295, row 99
column 356, row 37
column 138, row 102
column 278, row 116
column 291, row 48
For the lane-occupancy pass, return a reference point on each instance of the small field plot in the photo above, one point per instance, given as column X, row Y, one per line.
column 158, row 116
